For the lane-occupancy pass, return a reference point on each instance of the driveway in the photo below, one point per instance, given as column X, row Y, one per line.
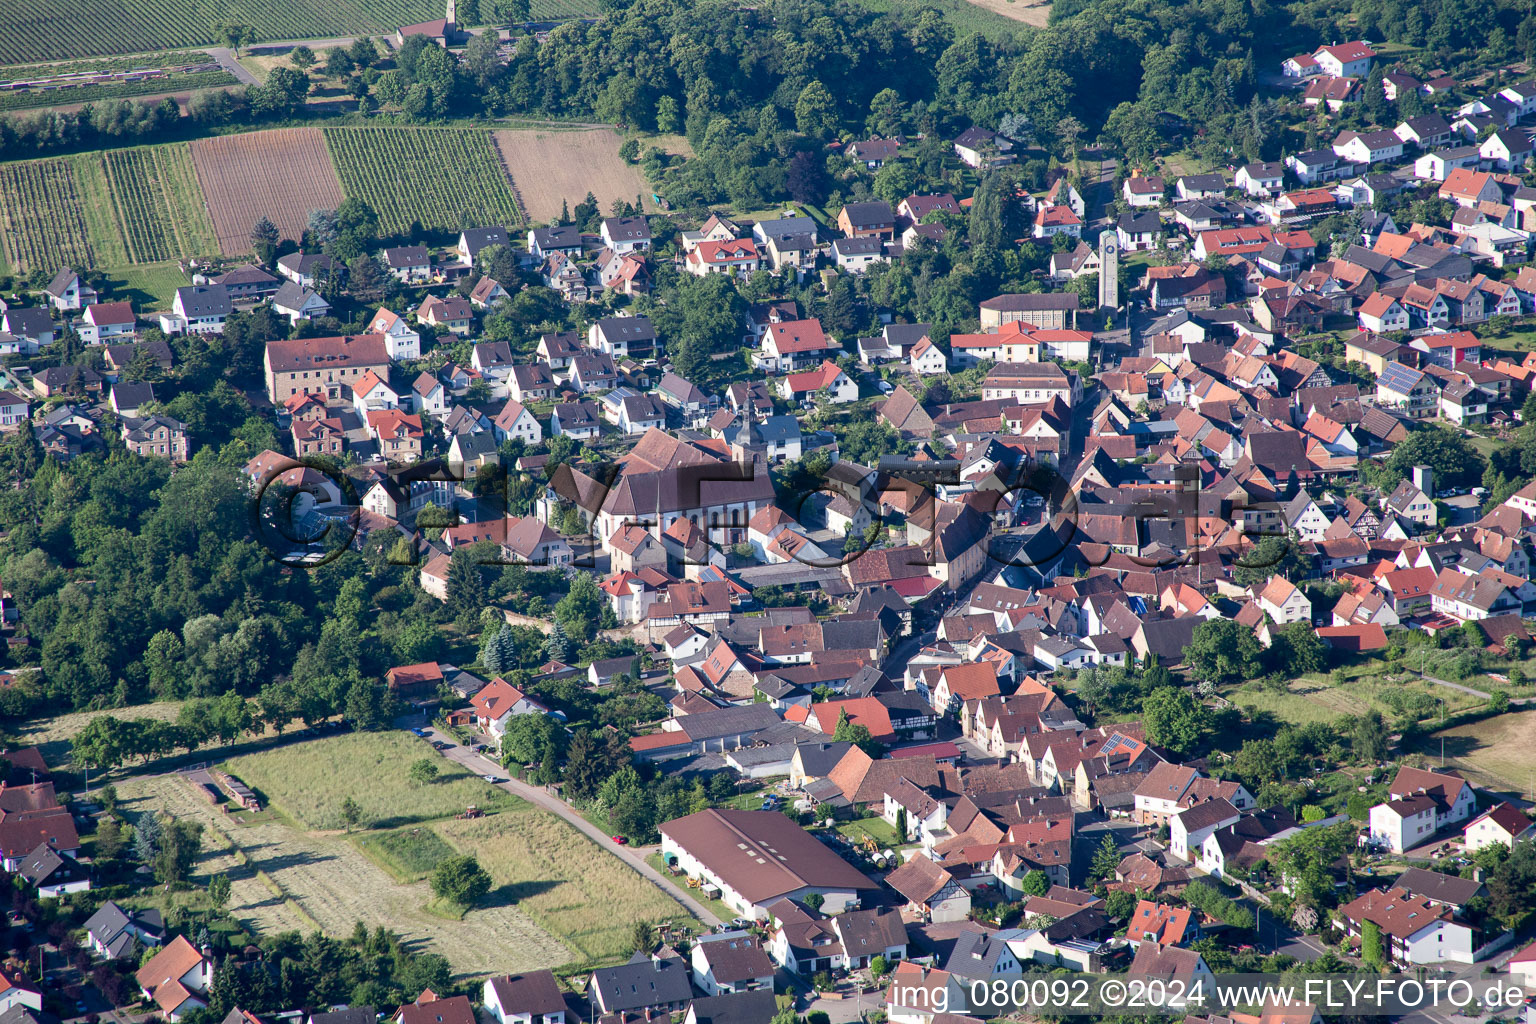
column 852, row 1008
column 635, row 858
column 227, row 61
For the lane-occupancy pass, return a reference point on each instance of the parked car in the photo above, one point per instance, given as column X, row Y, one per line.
column 621, row 840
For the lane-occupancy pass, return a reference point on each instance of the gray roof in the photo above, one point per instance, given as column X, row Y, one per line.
column 643, row 407
column 205, row 300
column 132, row 394
column 561, row 236
column 784, row 226
column 857, row 246
column 627, row 229
column 474, row 445
column 110, row 919
column 29, row 323
column 851, row 635
column 404, row 256
column 1317, row 158
column 61, row 281
column 41, row 863
column 536, row 993
column 476, row 239
column 346, row 1015
column 139, row 429
column 876, row 213
column 627, row 328
column 871, row 931
column 776, row 429
column 306, row 262
column 818, row 759
column 1206, row 814
column 1204, row 182
column 291, row 295
column 731, row 721
column 680, row 389
column 752, row 1007
column 975, row 955
column 640, row 983
column 906, row 334
column 246, row 273
column 1270, row 169
column 1440, row 888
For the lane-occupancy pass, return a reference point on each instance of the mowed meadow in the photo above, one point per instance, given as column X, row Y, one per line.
column 557, row 899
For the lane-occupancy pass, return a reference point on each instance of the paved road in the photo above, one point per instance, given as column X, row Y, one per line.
column 1457, row 686
column 1102, row 195
column 226, row 58
column 635, row 858
column 1470, row 691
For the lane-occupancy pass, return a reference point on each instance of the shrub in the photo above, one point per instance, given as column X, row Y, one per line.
column 1209, row 900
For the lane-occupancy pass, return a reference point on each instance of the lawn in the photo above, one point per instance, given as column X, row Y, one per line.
column 1495, row 752
column 149, row 286
column 876, row 828
column 309, row 781
column 1520, row 339
column 557, row 876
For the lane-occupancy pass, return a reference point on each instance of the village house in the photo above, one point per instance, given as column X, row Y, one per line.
column 327, row 367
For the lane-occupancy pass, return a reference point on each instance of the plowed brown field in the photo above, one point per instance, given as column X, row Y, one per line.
column 549, row 168
column 281, row 175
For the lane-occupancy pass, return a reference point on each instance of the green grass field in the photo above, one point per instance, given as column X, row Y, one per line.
column 439, row 178
column 285, row 878
column 410, row 854
column 309, row 781
column 1315, row 698
column 150, row 286
column 876, row 828
column 557, row 876
column 1520, row 340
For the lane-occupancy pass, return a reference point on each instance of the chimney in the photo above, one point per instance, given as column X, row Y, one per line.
column 1424, row 479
